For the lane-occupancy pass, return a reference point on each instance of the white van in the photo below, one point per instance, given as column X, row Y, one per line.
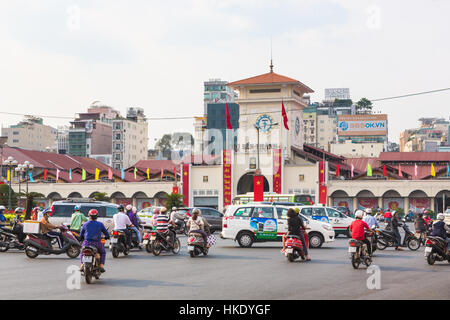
column 249, row 223
column 337, row 219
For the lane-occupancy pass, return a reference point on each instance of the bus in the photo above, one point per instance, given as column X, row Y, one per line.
column 305, row 199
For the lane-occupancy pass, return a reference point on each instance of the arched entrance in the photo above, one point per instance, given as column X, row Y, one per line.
column 392, row 200
column 442, row 201
column 418, row 201
column 366, row 199
column 245, row 184
column 340, row 198
column 160, row 198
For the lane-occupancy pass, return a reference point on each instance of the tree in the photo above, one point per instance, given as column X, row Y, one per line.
column 101, row 196
column 364, row 106
column 4, row 196
column 173, row 200
column 177, row 140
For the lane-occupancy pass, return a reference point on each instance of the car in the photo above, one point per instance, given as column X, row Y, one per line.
column 213, row 216
column 340, row 221
column 62, row 210
column 250, row 223
column 344, row 210
column 146, row 216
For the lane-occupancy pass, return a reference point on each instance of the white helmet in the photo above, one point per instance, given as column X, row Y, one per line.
column 359, row 214
column 2, row 208
column 368, row 210
column 440, row 216
column 174, row 208
column 134, row 209
column 129, row 207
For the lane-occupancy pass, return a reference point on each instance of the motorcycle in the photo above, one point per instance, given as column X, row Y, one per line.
column 435, row 250
column 155, row 242
column 196, row 245
column 294, row 248
column 91, row 263
column 181, row 226
column 386, row 238
column 36, row 244
column 9, row 240
column 359, row 252
column 118, row 243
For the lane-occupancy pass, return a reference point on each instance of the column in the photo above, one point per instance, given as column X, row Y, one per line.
column 380, row 202
column 355, row 204
column 406, row 202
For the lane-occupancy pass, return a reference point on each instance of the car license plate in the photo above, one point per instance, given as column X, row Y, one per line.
column 428, row 249
column 153, row 238
column 145, row 242
column 190, row 248
column 351, row 249
column 289, row 250
column 114, row 240
column 87, row 259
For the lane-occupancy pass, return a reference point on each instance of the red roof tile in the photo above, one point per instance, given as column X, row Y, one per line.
column 414, row 156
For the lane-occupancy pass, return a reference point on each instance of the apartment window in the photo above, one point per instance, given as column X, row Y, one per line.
column 265, row 90
column 118, row 136
column 301, row 177
column 118, row 145
column 205, row 178
column 15, row 133
column 16, row 141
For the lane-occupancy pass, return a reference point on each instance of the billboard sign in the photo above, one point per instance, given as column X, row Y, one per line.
column 362, row 125
column 337, row 93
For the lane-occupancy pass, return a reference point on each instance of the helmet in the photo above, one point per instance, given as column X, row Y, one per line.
column 163, row 210
column 359, row 214
column 197, row 211
column 134, row 209
column 93, row 213
column 121, row 207
column 394, row 213
column 77, row 207
column 425, row 211
column 2, row 208
column 35, row 209
column 368, row 210
column 46, row 211
column 18, row 210
column 156, row 211
column 440, row 216
column 129, row 207
column 174, row 208
column 297, row 210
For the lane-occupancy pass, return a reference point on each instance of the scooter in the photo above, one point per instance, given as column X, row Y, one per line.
column 9, row 240
column 155, row 243
column 294, row 248
column 196, row 245
column 181, row 226
column 359, row 252
column 118, row 244
column 91, row 263
column 36, row 244
column 386, row 238
column 435, row 250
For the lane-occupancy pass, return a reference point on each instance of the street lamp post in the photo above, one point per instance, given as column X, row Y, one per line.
column 19, row 169
column 28, row 167
column 10, row 163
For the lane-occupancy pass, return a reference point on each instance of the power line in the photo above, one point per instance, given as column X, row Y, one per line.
column 242, row 114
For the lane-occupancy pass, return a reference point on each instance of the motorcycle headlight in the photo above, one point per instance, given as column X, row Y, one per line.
column 327, row 227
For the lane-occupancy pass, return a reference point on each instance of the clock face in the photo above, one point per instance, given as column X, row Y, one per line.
column 297, row 126
column 264, row 123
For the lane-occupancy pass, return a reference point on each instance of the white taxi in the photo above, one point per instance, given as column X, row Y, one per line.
column 249, row 223
column 340, row 221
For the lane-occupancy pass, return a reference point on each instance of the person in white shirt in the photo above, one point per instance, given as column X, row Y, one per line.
column 369, row 219
column 121, row 222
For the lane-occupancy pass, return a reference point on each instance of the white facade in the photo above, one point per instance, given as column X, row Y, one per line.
column 357, row 150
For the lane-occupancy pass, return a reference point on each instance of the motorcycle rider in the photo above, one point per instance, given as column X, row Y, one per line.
column 2, row 217
column 395, row 223
column 420, row 225
column 369, row 219
column 440, row 229
column 175, row 216
column 92, row 232
column 121, row 222
column 196, row 224
column 162, row 226
column 296, row 228
column 358, row 227
column 47, row 228
column 427, row 218
column 154, row 223
column 34, row 213
column 77, row 219
column 388, row 219
column 132, row 214
column 17, row 228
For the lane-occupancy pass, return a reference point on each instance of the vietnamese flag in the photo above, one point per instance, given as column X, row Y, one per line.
column 283, row 113
column 229, row 126
column 258, row 188
column 45, row 174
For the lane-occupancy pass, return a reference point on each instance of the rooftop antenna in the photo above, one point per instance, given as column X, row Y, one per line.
column 271, row 63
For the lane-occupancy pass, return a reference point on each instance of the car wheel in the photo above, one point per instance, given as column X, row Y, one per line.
column 315, row 240
column 245, row 239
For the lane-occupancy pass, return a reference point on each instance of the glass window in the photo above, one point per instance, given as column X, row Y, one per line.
column 333, row 213
column 62, row 211
column 307, row 211
column 111, row 211
column 85, row 209
column 282, row 213
column 243, row 212
column 319, row 212
column 263, row 212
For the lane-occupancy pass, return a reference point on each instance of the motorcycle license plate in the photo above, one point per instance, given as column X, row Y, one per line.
column 87, row 259
column 153, row 238
column 190, row 248
column 114, row 240
column 289, row 250
column 351, row 249
column 428, row 249
column 145, row 242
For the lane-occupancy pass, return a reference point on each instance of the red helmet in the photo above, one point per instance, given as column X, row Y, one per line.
column 93, row 212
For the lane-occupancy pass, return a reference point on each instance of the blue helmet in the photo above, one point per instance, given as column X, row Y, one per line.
column 46, row 211
column 77, row 207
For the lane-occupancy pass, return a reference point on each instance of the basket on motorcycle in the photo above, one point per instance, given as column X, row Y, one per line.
column 31, row 226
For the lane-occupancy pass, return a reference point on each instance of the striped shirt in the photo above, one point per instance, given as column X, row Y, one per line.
column 162, row 223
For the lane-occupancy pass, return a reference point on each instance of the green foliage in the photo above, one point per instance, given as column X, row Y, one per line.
column 364, row 106
column 173, row 200
column 178, row 140
column 4, row 194
column 101, row 196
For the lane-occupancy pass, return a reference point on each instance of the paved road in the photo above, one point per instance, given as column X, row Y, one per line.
column 229, row 272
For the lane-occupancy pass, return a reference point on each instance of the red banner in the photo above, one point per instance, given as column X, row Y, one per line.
column 186, row 184
column 226, row 177
column 258, row 188
column 175, row 190
column 277, row 171
column 322, row 183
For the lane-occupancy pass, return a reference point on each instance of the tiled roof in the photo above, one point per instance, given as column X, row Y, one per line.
column 414, row 156
column 268, row 78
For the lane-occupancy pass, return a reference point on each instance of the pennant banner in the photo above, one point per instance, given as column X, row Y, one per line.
column 185, row 174
column 226, row 167
column 277, row 171
column 97, row 174
column 31, row 177
column 258, row 188
column 322, row 183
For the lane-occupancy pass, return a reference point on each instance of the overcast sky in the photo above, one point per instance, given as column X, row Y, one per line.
column 58, row 56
